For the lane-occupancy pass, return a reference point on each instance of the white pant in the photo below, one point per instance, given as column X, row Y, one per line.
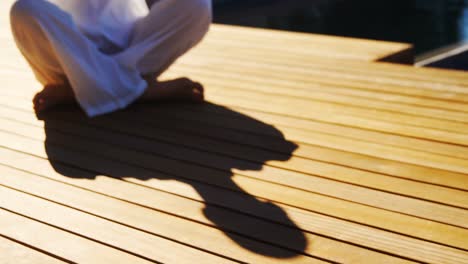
column 106, row 80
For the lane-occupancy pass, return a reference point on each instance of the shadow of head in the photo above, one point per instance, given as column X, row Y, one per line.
column 212, row 148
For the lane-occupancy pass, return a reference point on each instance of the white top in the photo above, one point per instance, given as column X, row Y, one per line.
column 105, row 21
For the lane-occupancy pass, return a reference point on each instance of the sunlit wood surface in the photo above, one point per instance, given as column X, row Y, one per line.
column 306, row 152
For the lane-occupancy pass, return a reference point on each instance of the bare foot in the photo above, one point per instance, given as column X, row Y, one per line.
column 53, row 95
column 182, row 89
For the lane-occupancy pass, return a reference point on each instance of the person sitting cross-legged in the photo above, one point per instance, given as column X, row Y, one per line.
column 107, row 54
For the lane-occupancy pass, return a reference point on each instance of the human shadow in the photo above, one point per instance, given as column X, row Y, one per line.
column 200, row 145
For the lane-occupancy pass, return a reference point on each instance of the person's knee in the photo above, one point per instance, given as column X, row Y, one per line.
column 203, row 10
column 203, row 7
column 196, row 10
column 201, row 15
column 22, row 9
column 26, row 14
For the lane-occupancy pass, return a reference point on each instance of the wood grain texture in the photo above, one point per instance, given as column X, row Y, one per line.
column 99, row 229
column 307, row 183
column 154, row 221
column 13, row 252
column 412, row 226
column 162, row 201
column 310, row 150
column 60, row 243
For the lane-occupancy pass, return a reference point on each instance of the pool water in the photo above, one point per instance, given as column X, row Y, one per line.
column 428, row 24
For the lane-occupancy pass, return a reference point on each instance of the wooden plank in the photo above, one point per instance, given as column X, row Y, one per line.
column 415, row 126
column 317, row 45
column 369, row 215
column 375, row 149
column 384, row 242
column 300, row 39
column 327, row 248
column 416, row 157
column 15, row 253
column 213, row 48
column 286, row 123
column 290, row 72
column 305, row 40
column 300, row 130
column 322, row 94
column 353, row 95
column 356, row 177
column 306, row 88
column 60, row 243
column 266, row 50
column 367, row 163
column 331, row 75
column 327, row 158
column 299, row 51
column 336, row 189
column 387, row 122
column 153, row 221
column 390, row 78
column 316, row 153
column 323, row 127
column 134, row 241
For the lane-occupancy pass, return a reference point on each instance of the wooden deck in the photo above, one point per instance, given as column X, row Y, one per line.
column 307, row 152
